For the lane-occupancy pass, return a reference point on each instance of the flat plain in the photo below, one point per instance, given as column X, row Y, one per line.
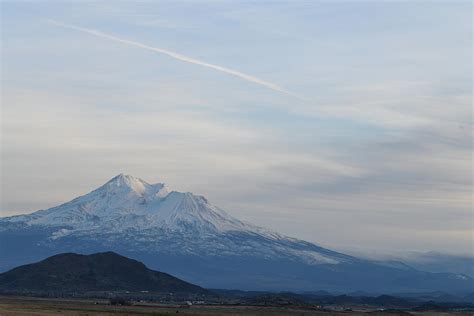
column 14, row 306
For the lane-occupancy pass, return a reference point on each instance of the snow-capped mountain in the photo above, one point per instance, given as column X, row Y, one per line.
column 126, row 202
column 129, row 206
column 184, row 234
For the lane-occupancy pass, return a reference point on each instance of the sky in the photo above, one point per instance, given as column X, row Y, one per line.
column 348, row 124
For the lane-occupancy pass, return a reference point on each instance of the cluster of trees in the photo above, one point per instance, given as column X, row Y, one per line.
column 119, row 301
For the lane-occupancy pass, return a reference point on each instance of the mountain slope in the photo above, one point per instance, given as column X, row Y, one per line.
column 187, row 236
column 106, row 271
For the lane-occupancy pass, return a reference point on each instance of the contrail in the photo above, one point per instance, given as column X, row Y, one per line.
column 179, row 57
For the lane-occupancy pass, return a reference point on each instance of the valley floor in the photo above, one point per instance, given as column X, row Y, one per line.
column 15, row 306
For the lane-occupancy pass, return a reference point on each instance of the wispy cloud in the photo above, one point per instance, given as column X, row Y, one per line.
column 180, row 57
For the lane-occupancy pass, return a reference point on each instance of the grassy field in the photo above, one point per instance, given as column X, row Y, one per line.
column 36, row 306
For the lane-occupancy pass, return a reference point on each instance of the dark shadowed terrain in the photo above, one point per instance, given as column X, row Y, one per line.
column 72, row 274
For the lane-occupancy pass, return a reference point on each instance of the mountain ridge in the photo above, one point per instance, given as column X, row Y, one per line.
column 107, row 271
column 171, row 230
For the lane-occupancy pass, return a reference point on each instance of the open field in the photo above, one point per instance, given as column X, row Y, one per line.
column 37, row 306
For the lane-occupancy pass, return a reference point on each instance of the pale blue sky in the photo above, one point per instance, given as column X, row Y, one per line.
column 375, row 153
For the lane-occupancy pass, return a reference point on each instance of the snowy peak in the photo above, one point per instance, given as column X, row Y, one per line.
column 130, row 182
column 185, row 210
column 127, row 184
column 127, row 202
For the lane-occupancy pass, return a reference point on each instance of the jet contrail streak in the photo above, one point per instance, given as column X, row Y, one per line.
column 179, row 57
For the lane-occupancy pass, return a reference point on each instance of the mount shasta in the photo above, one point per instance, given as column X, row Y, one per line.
column 185, row 235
